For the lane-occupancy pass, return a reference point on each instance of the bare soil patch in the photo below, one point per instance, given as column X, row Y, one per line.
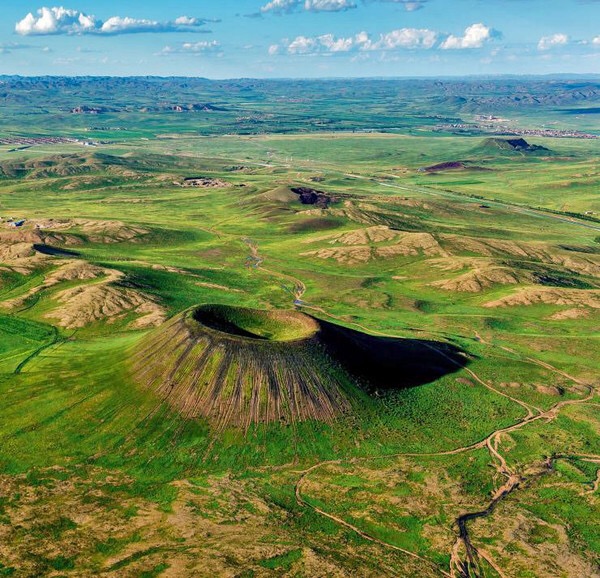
column 574, row 313
column 404, row 244
column 85, row 304
column 479, row 279
column 204, row 183
column 549, row 296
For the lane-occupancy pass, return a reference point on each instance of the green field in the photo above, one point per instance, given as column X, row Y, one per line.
column 455, row 368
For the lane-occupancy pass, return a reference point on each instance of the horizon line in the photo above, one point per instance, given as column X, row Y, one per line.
column 309, row 78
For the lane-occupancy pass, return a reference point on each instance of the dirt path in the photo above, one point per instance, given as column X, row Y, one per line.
column 459, row 568
column 589, row 458
column 596, row 485
column 301, row 501
column 472, row 566
column 545, row 365
column 55, row 339
column 255, row 260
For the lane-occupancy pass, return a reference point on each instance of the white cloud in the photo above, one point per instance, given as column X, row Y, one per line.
column 193, row 48
column 286, row 6
column 412, row 6
column 548, row 42
column 408, row 5
column 475, row 36
column 281, row 6
column 596, row 41
column 52, row 20
column 328, row 5
column 187, row 21
column 304, row 45
column 59, row 20
column 327, row 43
column 116, row 25
column 404, row 38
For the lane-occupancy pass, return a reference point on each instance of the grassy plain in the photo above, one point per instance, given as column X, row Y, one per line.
column 99, row 475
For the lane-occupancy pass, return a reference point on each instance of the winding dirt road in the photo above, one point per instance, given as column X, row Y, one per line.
column 469, row 564
column 471, row 567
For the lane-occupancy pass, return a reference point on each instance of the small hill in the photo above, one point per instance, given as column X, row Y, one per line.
column 60, row 165
column 447, row 166
column 281, row 194
column 452, row 166
column 66, row 165
column 512, row 145
column 238, row 366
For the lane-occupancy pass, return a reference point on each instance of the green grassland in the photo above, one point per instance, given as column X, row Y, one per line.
column 98, row 475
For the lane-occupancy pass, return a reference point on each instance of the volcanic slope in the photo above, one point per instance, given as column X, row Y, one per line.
column 239, row 366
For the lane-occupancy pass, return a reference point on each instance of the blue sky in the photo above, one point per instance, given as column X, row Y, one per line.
column 300, row 38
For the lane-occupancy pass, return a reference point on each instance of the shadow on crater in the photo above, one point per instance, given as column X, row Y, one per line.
column 386, row 363
column 214, row 319
column 54, row 251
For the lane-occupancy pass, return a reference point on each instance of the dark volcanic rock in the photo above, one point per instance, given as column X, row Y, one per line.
column 513, row 144
column 310, row 196
column 522, row 144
